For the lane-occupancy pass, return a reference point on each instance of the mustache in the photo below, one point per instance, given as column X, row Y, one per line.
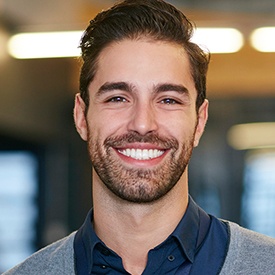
column 135, row 137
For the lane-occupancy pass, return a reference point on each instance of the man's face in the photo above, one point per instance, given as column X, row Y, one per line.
column 141, row 124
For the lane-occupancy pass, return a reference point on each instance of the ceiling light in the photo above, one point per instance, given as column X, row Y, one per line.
column 219, row 40
column 252, row 136
column 262, row 39
column 65, row 44
column 45, row 45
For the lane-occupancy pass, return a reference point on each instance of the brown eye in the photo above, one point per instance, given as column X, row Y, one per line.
column 117, row 99
column 169, row 101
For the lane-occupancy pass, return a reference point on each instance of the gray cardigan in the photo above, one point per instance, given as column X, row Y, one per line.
column 249, row 253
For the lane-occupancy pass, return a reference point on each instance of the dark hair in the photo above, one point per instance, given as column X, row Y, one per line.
column 132, row 19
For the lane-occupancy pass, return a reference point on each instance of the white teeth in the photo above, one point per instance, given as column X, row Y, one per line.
column 141, row 154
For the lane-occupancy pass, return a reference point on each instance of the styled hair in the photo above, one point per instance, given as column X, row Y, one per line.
column 133, row 19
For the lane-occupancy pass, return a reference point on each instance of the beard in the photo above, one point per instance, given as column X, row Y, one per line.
column 139, row 185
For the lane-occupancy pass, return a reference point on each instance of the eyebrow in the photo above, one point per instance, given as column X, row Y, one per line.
column 165, row 87
column 124, row 86
column 110, row 86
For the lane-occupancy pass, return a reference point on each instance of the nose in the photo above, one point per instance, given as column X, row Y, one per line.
column 143, row 119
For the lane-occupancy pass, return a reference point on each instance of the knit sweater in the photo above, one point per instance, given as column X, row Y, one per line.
column 248, row 253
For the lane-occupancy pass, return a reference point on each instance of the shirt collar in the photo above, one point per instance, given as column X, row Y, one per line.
column 186, row 233
column 89, row 238
column 188, row 229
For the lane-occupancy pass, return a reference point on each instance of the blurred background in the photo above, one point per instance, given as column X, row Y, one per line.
column 45, row 174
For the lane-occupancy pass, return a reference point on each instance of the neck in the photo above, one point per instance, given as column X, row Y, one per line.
column 138, row 227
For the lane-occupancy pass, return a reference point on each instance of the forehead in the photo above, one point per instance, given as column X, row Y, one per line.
column 145, row 62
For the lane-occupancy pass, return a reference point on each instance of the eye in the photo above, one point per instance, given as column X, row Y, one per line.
column 117, row 99
column 169, row 101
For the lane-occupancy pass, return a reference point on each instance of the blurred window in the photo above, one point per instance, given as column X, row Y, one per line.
column 18, row 208
column 258, row 202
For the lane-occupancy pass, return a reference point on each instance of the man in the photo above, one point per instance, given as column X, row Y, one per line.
column 142, row 110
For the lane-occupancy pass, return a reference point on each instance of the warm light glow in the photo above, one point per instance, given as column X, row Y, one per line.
column 219, row 40
column 65, row 44
column 45, row 45
column 263, row 39
column 252, row 136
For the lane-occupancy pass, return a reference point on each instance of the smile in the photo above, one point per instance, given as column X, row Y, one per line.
column 141, row 154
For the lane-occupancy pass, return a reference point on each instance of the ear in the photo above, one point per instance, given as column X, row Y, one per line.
column 202, row 119
column 80, row 117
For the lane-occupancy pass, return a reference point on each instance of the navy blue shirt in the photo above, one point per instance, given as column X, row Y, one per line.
column 175, row 255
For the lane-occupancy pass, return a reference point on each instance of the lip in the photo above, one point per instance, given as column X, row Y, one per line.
column 142, row 146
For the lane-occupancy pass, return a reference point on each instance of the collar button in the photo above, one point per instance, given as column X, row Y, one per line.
column 171, row 258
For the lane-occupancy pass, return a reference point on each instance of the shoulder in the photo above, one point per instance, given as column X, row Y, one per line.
column 57, row 258
column 249, row 252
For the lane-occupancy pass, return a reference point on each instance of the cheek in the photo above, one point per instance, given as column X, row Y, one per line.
column 102, row 125
column 182, row 127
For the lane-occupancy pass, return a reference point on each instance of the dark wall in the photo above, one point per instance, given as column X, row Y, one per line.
column 215, row 166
